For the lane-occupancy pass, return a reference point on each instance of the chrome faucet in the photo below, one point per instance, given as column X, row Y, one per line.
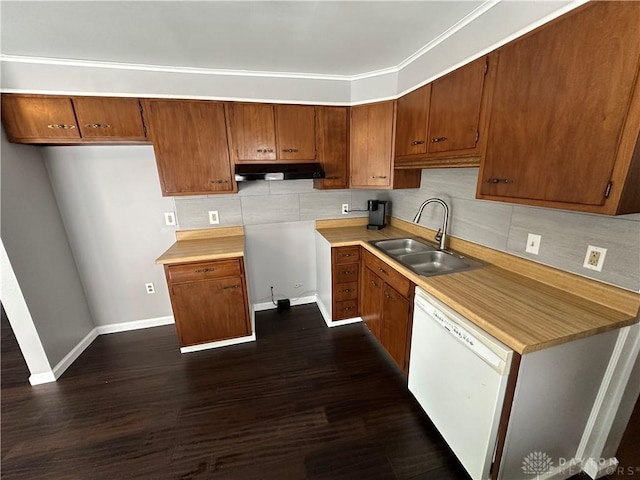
column 441, row 236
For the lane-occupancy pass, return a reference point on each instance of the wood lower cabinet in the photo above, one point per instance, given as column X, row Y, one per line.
column 372, row 133
column 565, row 115
column 50, row 119
column 345, row 280
column 190, row 143
column 209, row 301
column 332, row 145
column 386, row 301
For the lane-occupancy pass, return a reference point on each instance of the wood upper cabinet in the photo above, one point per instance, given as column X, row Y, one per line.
column 454, row 113
column 211, row 304
column 332, row 144
column 372, row 130
column 412, row 122
column 37, row 118
column 102, row 118
column 296, row 132
column 261, row 132
column 252, row 132
column 190, row 143
column 565, row 114
column 53, row 119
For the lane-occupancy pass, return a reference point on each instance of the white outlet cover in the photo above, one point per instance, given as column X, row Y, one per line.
column 214, row 219
column 345, row 209
column 601, row 251
column 169, row 219
column 533, row 243
column 150, row 288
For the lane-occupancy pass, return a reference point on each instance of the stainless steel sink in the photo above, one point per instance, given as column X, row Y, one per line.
column 423, row 258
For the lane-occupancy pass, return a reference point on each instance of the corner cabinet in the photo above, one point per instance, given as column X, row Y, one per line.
column 565, row 115
column 50, row 119
column 190, row 144
column 442, row 124
column 209, row 301
column 372, row 133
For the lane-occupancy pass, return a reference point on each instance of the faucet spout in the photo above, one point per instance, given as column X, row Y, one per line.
column 441, row 236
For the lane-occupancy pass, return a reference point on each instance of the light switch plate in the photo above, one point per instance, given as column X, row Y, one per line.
column 214, row 219
column 533, row 243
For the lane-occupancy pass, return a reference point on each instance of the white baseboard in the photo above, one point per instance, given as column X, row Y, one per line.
column 330, row 323
column 40, row 378
column 221, row 343
column 259, row 307
column 597, row 469
column 75, row 352
column 135, row 325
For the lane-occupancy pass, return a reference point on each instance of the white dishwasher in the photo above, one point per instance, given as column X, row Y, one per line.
column 458, row 373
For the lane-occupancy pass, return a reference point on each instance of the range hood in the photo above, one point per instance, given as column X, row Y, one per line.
column 278, row 171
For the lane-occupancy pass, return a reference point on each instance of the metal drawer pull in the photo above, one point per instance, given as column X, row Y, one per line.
column 347, row 290
column 290, row 150
column 98, row 125
column 347, row 254
column 347, row 308
column 205, row 270
column 61, row 126
column 438, row 139
column 382, row 270
column 374, row 284
column 387, row 295
column 498, row 180
column 264, row 150
column 417, row 142
column 379, row 176
column 347, row 272
column 332, row 177
column 227, row 287
column 219, row 181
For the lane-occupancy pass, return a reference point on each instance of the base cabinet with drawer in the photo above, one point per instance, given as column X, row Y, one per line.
column 345, row 266
column 209, row 301
column 387, row 307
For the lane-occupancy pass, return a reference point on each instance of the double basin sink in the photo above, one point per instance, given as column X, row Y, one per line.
column 424, row 258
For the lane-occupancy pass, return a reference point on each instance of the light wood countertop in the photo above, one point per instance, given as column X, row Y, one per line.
column 525, row 305
column 204, row 245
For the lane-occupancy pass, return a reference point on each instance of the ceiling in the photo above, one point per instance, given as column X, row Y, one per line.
column 301, row 37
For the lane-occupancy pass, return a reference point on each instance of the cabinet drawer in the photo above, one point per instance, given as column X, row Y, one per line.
column 343, row 255
column 346, row 309
column 345, row 291
column 345, row 273
column 388, row 274
column 204, row 270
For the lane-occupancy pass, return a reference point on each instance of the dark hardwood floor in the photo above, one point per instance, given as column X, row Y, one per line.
column 303, row 402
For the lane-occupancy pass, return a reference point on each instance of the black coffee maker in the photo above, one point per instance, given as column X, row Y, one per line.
column 377, row 214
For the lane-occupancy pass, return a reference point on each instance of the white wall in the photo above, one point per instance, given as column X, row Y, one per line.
column 112, row 208
column 39, row 252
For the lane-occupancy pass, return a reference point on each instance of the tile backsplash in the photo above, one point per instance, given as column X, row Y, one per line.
column 502, row 226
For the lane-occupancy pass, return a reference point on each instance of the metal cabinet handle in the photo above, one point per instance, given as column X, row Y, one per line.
column 346, row 290
column 347, row 254
column 290, row 150
column 382, row 270
column 438, row 139
column 205, row 270
column 227, row 287
column 374, row 284
column 347, row 308
column 347, row 272
column 98, row 125
column 219, row 181
column 499, row 180
column 61, row 126
column 332, row 177
column 264, row 150
column 417, row 142
column 379, row 176
column 386, row 294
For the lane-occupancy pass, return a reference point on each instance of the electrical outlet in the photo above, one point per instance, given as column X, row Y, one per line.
column 214, row 219
column 297, row 285
column 150, row 288
column 345, row 209
column 594, row 259
column 169, row 219
column 533, row 243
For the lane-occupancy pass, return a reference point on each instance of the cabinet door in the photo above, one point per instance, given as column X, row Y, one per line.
column 109, row 118
column 454, row 114
column 210, row 310
column 190, row 142
column 371, row 301
column 252, row 131
column 34, row 117
column 561, row 97
column 396, row 311
column 411, row 126
column 372, row 128
column 296, row 132
column 332, row 128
